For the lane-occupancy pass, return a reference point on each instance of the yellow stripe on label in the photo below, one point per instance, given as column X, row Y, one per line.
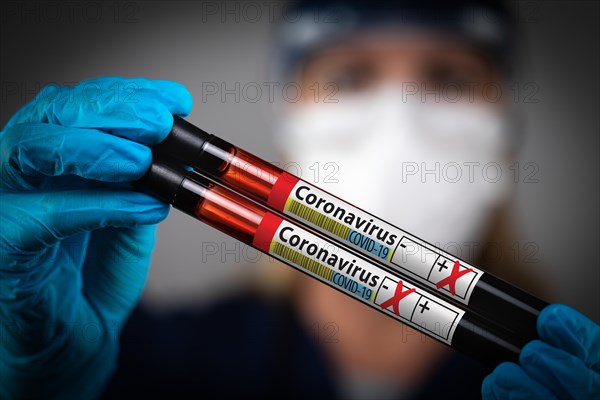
column 300, row 259
column 315, row 217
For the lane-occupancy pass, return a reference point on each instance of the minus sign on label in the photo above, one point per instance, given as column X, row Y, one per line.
column 402, row 245
column 385, row 287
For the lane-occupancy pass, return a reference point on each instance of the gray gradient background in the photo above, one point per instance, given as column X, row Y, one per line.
column 177, row 41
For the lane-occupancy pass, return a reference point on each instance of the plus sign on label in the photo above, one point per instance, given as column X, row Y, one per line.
column 436, row 268
column 442, row 265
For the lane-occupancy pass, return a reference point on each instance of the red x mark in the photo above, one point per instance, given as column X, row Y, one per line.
column 454, row 275
column 395, row 300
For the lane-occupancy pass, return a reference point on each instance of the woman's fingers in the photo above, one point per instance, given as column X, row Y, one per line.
column 36, row 220
column 569, row 330
column 31, row 151
column 138, row 109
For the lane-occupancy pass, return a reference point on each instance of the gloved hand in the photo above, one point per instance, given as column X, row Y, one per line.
column 75, row 238
column 564, row 364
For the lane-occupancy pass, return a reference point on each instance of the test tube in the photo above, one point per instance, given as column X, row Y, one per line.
column 324, row 260
column 412, row 257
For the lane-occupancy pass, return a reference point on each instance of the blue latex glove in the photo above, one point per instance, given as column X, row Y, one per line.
column 75, row 238
column 564, row 364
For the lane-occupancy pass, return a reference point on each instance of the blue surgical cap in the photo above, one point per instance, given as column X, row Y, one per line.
column 308, row 26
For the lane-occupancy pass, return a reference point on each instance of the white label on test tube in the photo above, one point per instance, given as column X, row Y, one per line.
column 374, row 237
column 358, row 277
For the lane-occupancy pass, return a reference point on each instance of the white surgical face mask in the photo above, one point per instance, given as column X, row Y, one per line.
column 436, row 170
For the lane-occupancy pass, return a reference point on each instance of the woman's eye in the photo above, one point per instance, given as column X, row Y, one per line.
column 352, row 79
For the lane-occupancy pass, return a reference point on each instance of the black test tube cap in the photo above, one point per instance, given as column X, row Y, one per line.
column 185, row 143
column 162, row 179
